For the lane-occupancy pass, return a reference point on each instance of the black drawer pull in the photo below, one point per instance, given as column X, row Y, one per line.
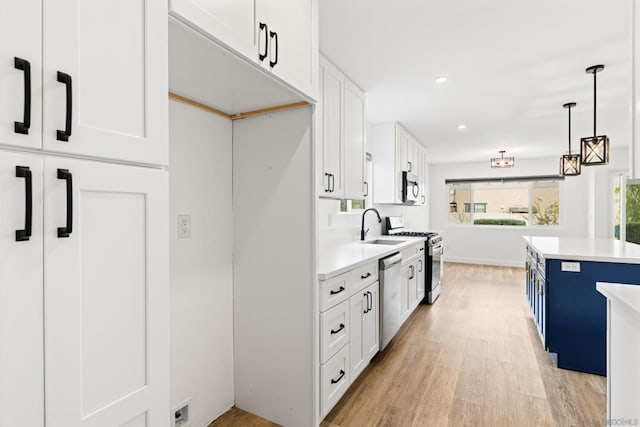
column 366, row 276
column 264, row 27
column 68, row 229
column 335, row 331
column 273, row 34
column 25, row 172
column 23, row 127
column 63, row 135
column 337, row 380
column 422, row 249
column 340, row 289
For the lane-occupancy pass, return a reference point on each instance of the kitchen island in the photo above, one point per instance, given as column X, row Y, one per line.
column 569, row 312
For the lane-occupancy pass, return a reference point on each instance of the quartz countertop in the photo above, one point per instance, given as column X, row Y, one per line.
column 627, row 294
column 339, row 257
column 577, row 249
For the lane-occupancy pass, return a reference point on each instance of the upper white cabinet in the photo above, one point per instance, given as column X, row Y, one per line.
column 105, row 79
column 279, row 35
column 85, row 77
column 396, row 151
column 341, row 133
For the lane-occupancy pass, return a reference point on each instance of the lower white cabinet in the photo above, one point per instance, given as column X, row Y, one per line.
column 364, row 339
column 87, row 294
column 412, row 286
column 422, row 276
column 334, row 380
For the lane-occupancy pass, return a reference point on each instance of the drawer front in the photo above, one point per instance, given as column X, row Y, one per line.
column 362, row 277
column 412, row 252
column 335, row 330
column 334, row 377
column 333, row 291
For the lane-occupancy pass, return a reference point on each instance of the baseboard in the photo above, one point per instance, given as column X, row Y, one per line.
column 484, row 261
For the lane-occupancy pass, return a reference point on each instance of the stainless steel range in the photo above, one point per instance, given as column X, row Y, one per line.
column 394, row 226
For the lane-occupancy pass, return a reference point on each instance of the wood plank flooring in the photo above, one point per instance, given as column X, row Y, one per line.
column 472, row 359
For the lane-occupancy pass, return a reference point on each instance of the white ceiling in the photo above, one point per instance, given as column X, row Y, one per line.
column 511, row 65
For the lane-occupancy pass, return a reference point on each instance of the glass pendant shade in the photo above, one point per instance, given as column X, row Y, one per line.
column 570, row 165
column 502, row 161
column 594, row 150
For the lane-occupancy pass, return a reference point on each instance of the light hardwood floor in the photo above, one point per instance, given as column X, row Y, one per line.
column 472, row 359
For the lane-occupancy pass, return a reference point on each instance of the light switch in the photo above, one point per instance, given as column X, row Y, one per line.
column 184, row 226
column 573, row 267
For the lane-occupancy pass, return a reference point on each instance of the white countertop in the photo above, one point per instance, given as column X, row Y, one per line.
column 339, row 257
column 604, row 250
column 627, row 294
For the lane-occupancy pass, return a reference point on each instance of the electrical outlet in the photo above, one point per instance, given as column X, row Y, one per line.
column 572, row 267
column 181, row 415
column 184, row 226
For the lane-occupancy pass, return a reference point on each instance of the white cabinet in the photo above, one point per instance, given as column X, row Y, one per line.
column 396, row 151
column 21, row 298
column 106, row 294
column 364, row 339
column 412, row 285
column 92, row 302
column 279, row 35
column 422, row 276
column 342, row 129
column 95, row 75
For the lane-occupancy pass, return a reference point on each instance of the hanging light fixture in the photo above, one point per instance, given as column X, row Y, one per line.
column 502, row 161
column 570, row 163
column 594, row 150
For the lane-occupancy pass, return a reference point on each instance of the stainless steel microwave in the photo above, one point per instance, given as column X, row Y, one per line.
column 410, row 188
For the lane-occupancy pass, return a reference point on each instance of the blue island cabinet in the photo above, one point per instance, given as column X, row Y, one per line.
column 536, row 292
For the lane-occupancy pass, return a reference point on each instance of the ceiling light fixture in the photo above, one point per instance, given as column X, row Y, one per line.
column 502, row 161
column 594, row 150
column 570, row 163
column 462, row 127
column 442, row 80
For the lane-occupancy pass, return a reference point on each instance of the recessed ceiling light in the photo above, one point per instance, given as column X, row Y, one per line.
column 442, row 80
column 462, row 126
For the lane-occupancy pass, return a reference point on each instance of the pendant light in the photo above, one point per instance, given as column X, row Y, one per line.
column 570, row 163
column 502, row 161
column 594, row 150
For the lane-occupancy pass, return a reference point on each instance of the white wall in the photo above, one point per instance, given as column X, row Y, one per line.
column 201, row 267
column 584, row 209
column 346, row 226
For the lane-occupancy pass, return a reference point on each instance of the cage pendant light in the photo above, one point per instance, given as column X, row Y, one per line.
column 594, row 150
column 570, row 163
column 502, row 161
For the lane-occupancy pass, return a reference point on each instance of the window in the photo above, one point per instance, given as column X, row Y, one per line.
column 349, row 205
column 503, row 202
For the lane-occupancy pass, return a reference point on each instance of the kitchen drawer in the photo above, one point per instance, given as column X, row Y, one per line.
column 362, row 277
column 333, row 291
column 334, row 380
column 334, row 332
column 412, row 253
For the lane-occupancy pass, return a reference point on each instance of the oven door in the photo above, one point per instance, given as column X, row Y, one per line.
column 410, row 188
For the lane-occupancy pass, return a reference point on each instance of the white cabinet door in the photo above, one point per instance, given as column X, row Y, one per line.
column 421, row 279
column 20, row 58
column 412, row 293
column 293, row 42
column 105, row 79
column 332, row 105
column 354, row 134
column 232, row 23
column 358, row 305
column 371, row 328
column 21, row 298
column 106, row 295
column 405, row 275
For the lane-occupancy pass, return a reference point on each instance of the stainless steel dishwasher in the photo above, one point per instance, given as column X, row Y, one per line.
column 390, row 307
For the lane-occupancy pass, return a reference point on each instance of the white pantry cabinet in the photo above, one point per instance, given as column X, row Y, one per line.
column 364, row 339
column 21, row 297
column 280, row 36
column 341, row 134
column 86, row 77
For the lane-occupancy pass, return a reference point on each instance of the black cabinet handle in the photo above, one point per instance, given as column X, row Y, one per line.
column 273, row 34
column 413, row 271
column 332, row 292
column 370, row 300
column 332, row 183
column 23, row 127
column 335, row 331
column 63, row 135
column 337, row 380
column 264, row 27
column 66, row 175
column 365, row 276
column 409, row 166
column 366, row 192
column 366, row 295
column 415, row 190
column 420, row 270
column 424, row 200
column 421, row 248
column 25, row 172
column 328, row 189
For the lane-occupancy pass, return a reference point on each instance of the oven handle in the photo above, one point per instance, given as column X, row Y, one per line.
column 437, row 250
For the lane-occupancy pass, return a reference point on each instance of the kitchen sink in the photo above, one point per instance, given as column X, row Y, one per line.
column 384, row 242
